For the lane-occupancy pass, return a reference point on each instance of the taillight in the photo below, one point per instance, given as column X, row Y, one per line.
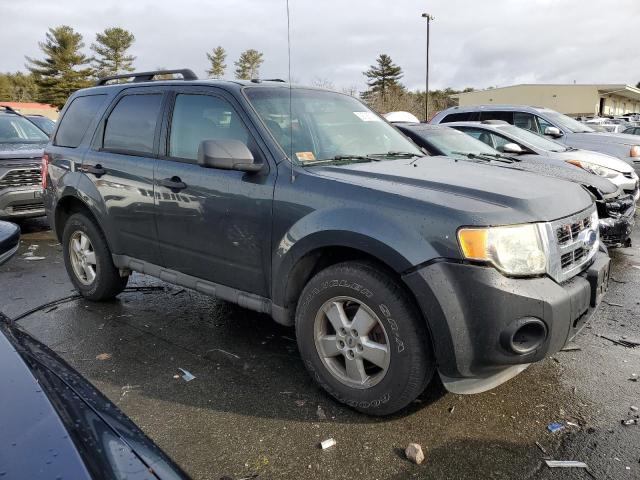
column 45, row 169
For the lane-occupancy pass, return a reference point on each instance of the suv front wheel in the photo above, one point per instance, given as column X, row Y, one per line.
column 362, row 338
column 88, row 260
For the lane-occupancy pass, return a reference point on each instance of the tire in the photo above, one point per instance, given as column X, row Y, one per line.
column 106, row 282
column 396, row 355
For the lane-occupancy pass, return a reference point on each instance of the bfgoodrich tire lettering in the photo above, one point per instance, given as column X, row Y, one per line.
column 105, row 282
column 390, row 383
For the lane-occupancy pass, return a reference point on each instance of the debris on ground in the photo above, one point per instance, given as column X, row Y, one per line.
column 186, row 375
column 320, row 413
column 328, row 443
column 451, row 409
column 103, row 356
column 33, row 259
column 633, row 408
column 573, row 424
column 622, row 342
column 630, row 421
column 225, row 352
column 541, row 448
column 300, row 403
column 178, row 292
column 127, row 388
column 612, row 304
column 414, row 453
column 565, row 464
column 634, row 377
column 555, row 427
column 570, row 347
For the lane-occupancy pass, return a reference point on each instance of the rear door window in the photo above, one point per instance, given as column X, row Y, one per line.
column 497, row 115
column 76, row 120
column 131, row 125
column 483, row 135
column 461, row 117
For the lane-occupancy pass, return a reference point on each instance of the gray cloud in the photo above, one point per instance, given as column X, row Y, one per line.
column 474, row 43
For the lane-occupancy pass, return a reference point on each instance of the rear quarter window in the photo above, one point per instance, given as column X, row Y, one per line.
column 76, row 120
column 497, row 115
column 461, row 117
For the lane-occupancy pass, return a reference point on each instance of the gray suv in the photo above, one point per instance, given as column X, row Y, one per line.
column 307, row 206
column 545, row 121
column 21, row 146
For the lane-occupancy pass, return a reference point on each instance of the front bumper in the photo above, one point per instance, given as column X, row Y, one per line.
column 618, row 222
column 469, row 308
column 21, row 202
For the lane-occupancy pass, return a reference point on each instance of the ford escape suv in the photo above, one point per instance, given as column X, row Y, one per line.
column 305, row 205
column 21, row 145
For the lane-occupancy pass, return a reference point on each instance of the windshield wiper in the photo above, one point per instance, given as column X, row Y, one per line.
column 393, row 155
column 488, row 156
column 339, row 159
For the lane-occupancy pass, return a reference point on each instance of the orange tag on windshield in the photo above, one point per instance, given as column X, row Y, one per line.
column 305, row 156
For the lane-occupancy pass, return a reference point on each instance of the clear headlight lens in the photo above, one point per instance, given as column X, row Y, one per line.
column 595, row 169
column 516, row 250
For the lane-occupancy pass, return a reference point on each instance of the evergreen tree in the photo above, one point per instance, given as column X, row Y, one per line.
column 63, row 69
column 384, row 76
column 217, row 58
column 111, row 47
column 248, row 65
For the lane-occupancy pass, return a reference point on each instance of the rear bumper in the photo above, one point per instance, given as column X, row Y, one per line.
column 22, row 202
column 470, row 308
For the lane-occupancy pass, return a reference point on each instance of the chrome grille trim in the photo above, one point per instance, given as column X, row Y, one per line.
column 21, row 177
column 569, row 254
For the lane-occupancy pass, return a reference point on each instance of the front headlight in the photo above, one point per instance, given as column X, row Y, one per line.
column 516, row 250
column 635, row 151
column 595, row 169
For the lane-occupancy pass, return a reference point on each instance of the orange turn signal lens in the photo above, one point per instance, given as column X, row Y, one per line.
column 473, row 242
column 635, row 151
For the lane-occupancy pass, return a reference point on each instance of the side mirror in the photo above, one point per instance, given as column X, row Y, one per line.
column 553, row 132
column 9, row 240
column 227, row 154
column 512, row 148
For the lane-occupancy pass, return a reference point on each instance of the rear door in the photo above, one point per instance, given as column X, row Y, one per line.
column 217, row 225
column 120, row 165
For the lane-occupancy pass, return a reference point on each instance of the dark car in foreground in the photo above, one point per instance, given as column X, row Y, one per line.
column 616, row 208
column 21, row 145
column 306, row 205
column 54, row 423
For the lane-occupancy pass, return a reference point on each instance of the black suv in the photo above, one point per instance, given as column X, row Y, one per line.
column 304, row 204
column 21, row 145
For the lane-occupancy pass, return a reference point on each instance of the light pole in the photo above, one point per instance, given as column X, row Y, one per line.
column 426, row 101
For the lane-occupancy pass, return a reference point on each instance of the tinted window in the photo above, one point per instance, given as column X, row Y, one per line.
column 201, row 117
column 131, row 126
column 461, row 117
column 497, row 115
column 76, row 120
column 525, row 120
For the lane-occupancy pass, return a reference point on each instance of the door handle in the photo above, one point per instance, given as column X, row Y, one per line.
column 173, row 183
column 97, row 170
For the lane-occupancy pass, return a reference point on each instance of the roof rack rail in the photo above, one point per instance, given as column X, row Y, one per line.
column 186, row 73
column 259, row 80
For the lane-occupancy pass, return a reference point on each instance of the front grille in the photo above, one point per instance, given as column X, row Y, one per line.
column 569, row 232
column 25, row 177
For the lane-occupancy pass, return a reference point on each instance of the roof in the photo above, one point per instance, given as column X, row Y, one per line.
column 603, row 88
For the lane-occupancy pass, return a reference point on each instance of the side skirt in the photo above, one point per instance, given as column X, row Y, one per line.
column 244, row 299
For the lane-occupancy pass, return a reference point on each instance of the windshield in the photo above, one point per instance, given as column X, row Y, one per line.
column 326, row 126
column 15, row 129
column 453, row 143
column 45, row 124
column 538, row 141
column 567, row 123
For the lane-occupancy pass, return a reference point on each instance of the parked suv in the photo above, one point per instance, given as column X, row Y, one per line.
column 21, row 146
column 545, row 121
column 306, row 205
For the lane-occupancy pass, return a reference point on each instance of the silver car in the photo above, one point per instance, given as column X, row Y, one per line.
column 513, row 140
column 552, row 124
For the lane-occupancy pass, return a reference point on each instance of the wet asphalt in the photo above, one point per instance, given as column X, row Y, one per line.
column 253, row 412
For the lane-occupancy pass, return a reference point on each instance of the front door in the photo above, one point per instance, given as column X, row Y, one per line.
column 120, row 165
column 216, row 224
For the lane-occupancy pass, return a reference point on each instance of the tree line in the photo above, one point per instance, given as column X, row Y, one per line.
column 65, row 68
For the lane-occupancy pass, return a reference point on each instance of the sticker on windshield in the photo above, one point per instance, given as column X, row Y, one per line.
column 367, row 116
column 305, row 156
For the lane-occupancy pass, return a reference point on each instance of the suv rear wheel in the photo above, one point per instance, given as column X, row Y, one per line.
column 88, row 260
column 362, row 338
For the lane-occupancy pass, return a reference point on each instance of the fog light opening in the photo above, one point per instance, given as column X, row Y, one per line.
column 528, row 337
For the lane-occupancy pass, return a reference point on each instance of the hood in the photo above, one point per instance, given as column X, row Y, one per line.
column 551, row 167
column 55, row 424
column 445, row 180
column 21, row 150
column 608, row 138
column 601, row 159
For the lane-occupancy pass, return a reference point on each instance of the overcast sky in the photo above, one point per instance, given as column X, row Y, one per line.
column 473, row 43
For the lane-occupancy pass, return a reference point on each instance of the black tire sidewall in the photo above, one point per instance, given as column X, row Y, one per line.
column 107, row 277
column 411, row 363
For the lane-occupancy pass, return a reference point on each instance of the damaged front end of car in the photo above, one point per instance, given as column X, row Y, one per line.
column 616, row 220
